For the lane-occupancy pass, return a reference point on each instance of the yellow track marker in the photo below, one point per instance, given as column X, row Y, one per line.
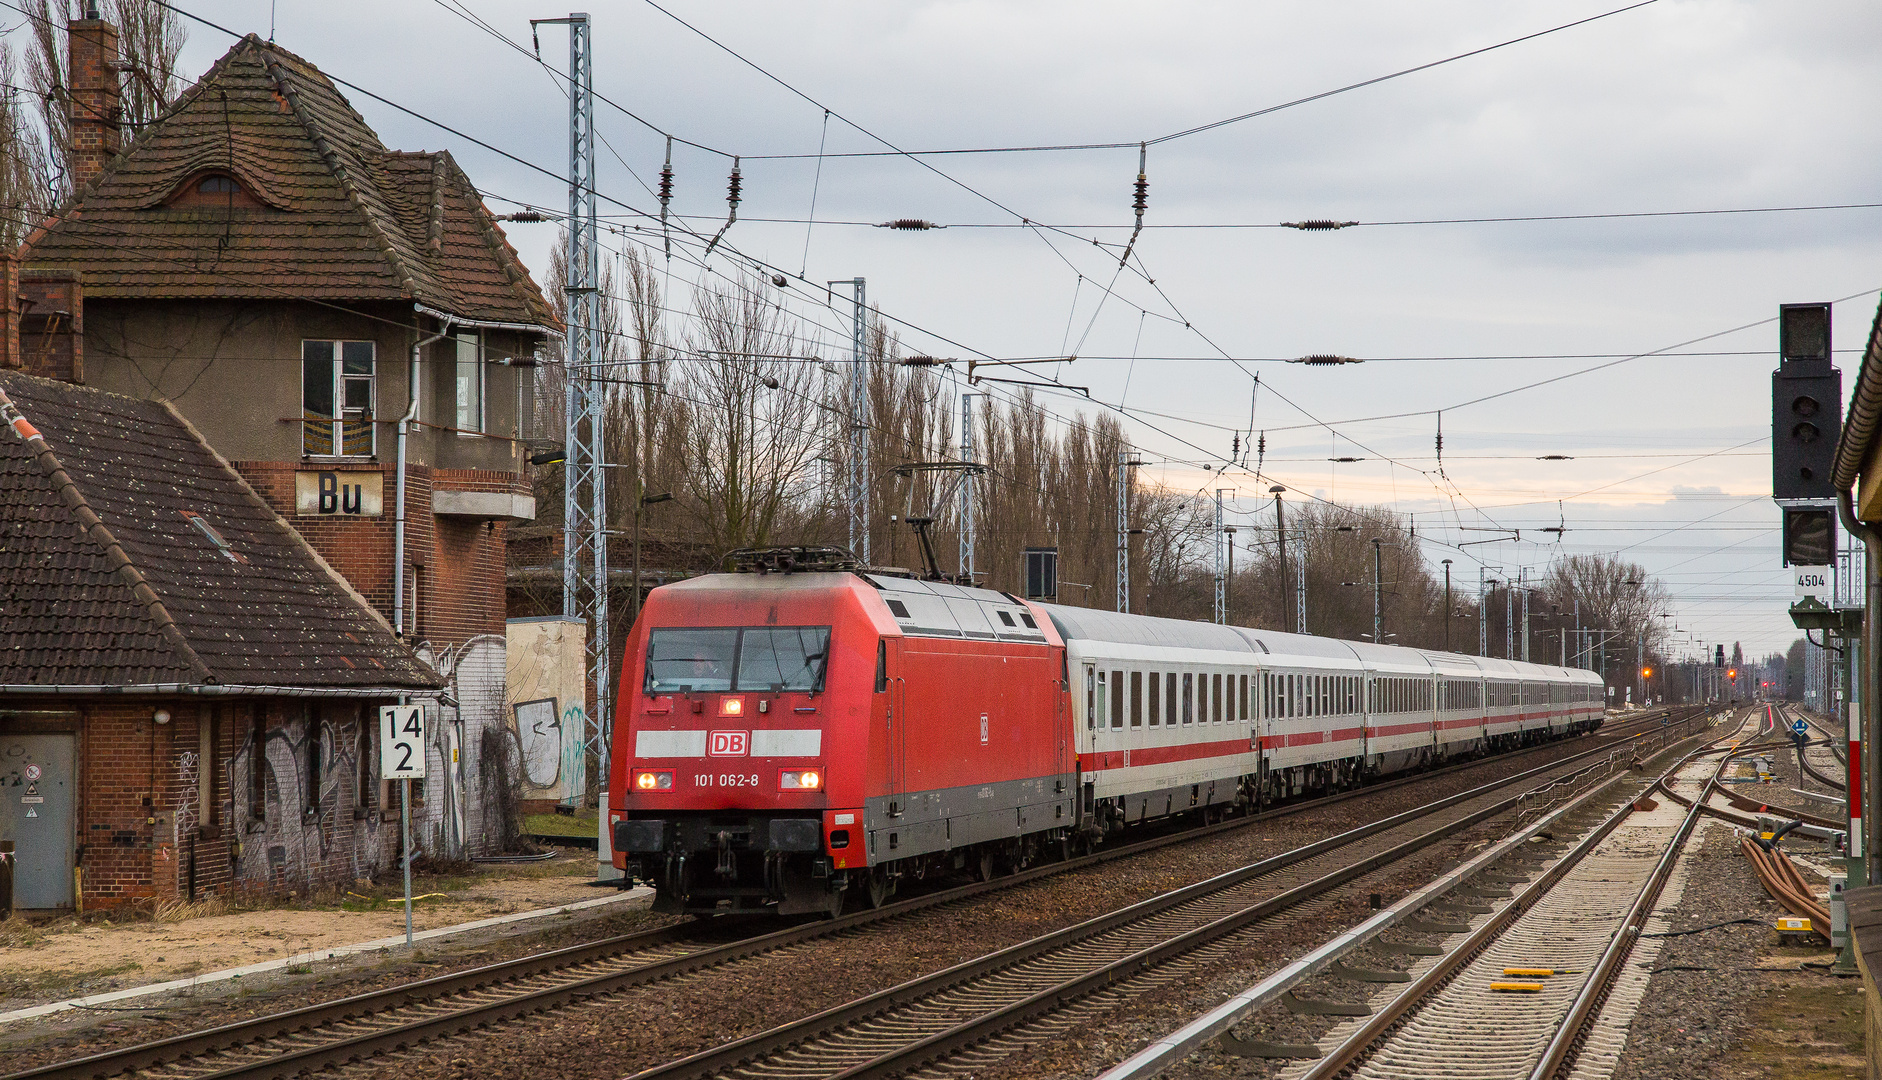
column 1534, row 973
column 1517, row 987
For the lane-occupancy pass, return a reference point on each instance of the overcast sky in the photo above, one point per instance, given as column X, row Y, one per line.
column 1680, row 105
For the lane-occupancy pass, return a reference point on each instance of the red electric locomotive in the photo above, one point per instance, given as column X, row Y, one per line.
column 783, row 737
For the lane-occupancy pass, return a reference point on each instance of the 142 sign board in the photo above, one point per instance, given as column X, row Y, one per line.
column 402, row 742
column 1811, row 581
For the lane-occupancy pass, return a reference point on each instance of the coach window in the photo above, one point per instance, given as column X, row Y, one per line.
column 1189, row 697
column 1137, row 699
column 1091, row 698
column 1117, row 698
column 1241, row 700
column 1169, row 699
column 1098, row 712
column 1156, row 699
column 1215, row 697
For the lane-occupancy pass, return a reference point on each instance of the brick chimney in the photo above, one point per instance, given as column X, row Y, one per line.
column 10, row 356
column 93, row 107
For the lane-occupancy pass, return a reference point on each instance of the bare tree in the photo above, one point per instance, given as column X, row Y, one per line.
column 150, row 35
column 25, row 196
column 749, row 444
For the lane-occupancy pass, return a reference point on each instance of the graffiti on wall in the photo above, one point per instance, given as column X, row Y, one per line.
column 474, row 677
column 296, row 840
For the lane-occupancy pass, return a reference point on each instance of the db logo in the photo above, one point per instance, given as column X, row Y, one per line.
column 728, row 743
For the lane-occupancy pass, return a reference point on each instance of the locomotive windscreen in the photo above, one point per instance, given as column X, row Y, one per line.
column 718, row 660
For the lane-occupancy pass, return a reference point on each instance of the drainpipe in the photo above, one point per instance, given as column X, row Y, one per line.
column 398, row 526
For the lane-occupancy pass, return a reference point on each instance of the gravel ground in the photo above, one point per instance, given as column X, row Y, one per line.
column 652, row 1026
column 1706, row 986
column 639, row 1028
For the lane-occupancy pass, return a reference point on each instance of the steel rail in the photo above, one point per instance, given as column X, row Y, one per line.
column 1172, row 1048
column 1829, row 741
column 914, row 1054
column 1360, row 1041
column 308, row 1019
column 1594, row 990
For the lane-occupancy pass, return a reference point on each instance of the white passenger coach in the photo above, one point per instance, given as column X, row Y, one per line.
column 1177, row 715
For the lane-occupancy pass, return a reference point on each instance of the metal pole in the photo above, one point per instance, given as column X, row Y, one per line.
column 966, row 563
column 859, row 426
column 1447, row 605
column 1483, row 619
column 1378, row 596
column 1221, row 581
column 405, row 831
column 1280, row 542
column 1525, row 618
column 1509, row 619
column 1124, row 533
column 1228, row 586
column 1300, row 584
column 585, row 502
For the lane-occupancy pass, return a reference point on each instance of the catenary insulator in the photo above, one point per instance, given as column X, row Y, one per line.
column 1319, row 224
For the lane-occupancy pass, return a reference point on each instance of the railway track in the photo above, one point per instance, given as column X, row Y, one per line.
column 1576, row 920
column 960, row 1019
column 1830, row 742
column 351, row 1029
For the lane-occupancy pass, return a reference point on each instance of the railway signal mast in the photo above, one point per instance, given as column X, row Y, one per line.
column 1806, row 422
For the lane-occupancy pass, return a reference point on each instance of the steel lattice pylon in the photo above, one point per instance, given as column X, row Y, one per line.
column 584, row 501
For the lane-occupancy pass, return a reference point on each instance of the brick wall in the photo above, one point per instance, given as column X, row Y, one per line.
column 454, row 565
column 94, row 106
column 52, row 325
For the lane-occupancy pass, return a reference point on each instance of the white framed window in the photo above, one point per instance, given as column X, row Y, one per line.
column 337, row 399
column 470, row 382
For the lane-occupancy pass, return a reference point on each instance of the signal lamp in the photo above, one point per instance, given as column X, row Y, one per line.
column 732, row 707
column 653, row 780
column 801, row 780
column 1646, row 673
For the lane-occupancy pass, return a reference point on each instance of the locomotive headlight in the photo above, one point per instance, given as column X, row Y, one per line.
column 800, row 780
column 652, row 780
column 732, row 706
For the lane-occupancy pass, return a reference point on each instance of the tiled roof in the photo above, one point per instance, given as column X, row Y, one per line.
column 341, row 218
column 106, row 579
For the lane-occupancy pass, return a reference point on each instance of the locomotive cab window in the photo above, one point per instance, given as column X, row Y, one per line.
column 719, row 660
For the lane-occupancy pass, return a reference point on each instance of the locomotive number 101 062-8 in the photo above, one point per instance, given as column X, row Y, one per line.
column 731, row 780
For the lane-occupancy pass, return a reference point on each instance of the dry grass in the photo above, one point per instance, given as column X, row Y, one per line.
column 176, row 911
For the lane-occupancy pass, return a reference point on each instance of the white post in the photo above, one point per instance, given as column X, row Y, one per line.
column 405, row 831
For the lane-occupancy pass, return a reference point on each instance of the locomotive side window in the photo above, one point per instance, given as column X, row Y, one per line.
column 1137, row 699
column 1117, row 699
column 1156, row 699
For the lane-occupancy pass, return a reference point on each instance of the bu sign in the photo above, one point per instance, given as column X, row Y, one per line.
column 402, row 742
column 728, row 743
column 339, row 494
